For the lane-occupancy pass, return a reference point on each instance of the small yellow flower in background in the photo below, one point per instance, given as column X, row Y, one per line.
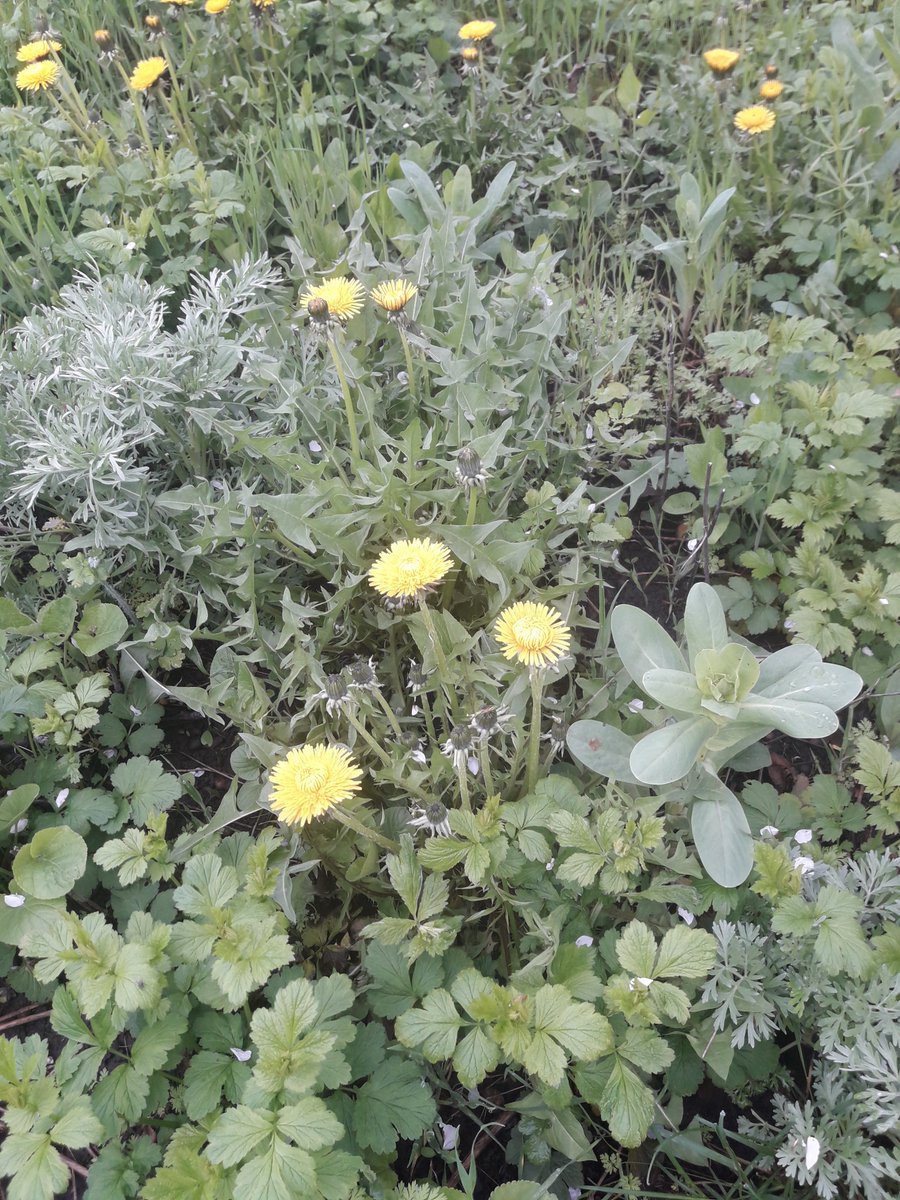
column 263, row 3
column 407, row 569
column 533, row 634
column 36, row 50
column 477, row 31
column 179, row 3
column 311, row 779
column 755, row 119
column 214, row 7
column 146, row 73
column 720, row 61
column 102, row 37
column 37, row 77
column 771, row 89
column 152, row 21
column 471, row 54
column 393, row 295
column 343, row 299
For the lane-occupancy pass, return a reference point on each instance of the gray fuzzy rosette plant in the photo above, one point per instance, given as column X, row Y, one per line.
column 717, row 700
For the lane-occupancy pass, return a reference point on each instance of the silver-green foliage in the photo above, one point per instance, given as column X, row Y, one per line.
column 101, row 396
column 716, row 700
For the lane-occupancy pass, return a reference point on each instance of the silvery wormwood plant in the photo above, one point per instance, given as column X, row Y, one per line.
column 716, row 700
column 104, row 406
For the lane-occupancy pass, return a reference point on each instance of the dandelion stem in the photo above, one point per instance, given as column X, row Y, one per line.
column 388, row 712
column 534, row 735
column 473, row 505
column 463, row 786
column 484, row 754
column 355, row 451
column 366, row 736
column 410, row 369
column 351, row 822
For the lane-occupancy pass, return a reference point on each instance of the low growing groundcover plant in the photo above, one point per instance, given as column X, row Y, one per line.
column 449, row 697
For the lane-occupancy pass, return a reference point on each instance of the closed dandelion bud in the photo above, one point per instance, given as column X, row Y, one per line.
column 469, row 471
column 458, row 745
column 318, row 308
column 102, row 38
column 418, row 680
column 362, row 673
column 334, row 692
column 470, row 54
column 771, row 71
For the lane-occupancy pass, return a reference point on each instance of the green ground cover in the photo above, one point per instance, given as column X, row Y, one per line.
column 450, row 549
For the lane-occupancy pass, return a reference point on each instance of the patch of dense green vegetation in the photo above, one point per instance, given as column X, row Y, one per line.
column 449, row 687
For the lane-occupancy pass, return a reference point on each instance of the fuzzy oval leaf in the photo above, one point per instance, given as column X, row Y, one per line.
column 643, row 645
column 704, row 621
column 51, row 863
column 792, row 717
column 675, row 689
column 602, row 748
column 667, row 754
column 722, row 835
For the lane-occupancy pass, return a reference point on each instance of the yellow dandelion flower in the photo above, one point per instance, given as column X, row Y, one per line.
column 755, row 119
column 533, row 634
column 179, row 3
column 393, row 295
column 37, row 77
column 36, row 50
column 214, row 7
column 407, row 569
column 146, row 73
column 311, row 779
column 471, row 54
column 477, row 31
column 343, row 298
column 771, row 89
column 720, row 61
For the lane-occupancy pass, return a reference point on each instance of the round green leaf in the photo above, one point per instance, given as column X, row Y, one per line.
column 602, row 748
column 101, row 626
column 51, row 863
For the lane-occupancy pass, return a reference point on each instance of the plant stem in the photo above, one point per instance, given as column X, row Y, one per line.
column 534, row 735
column 351, row 822
column 366, row 736
column 443, row 673
column 464, row 786
column 484, row 754
column 473, row 504
column 355, row 451
column 429, row 720
column 388, row 712
column 410, row 369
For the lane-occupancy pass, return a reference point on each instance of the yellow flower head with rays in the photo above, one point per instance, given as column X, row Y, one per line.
column 393, row 295
column 408, row 569
column 343, row 297
column 771, row 89
column 311, row 779
column 720, row 61
column 36, row 50
column 755, row 119
column 37, row 77
column 533, row 634
column 214, row 7
column 477, row 31
column 146, row 73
